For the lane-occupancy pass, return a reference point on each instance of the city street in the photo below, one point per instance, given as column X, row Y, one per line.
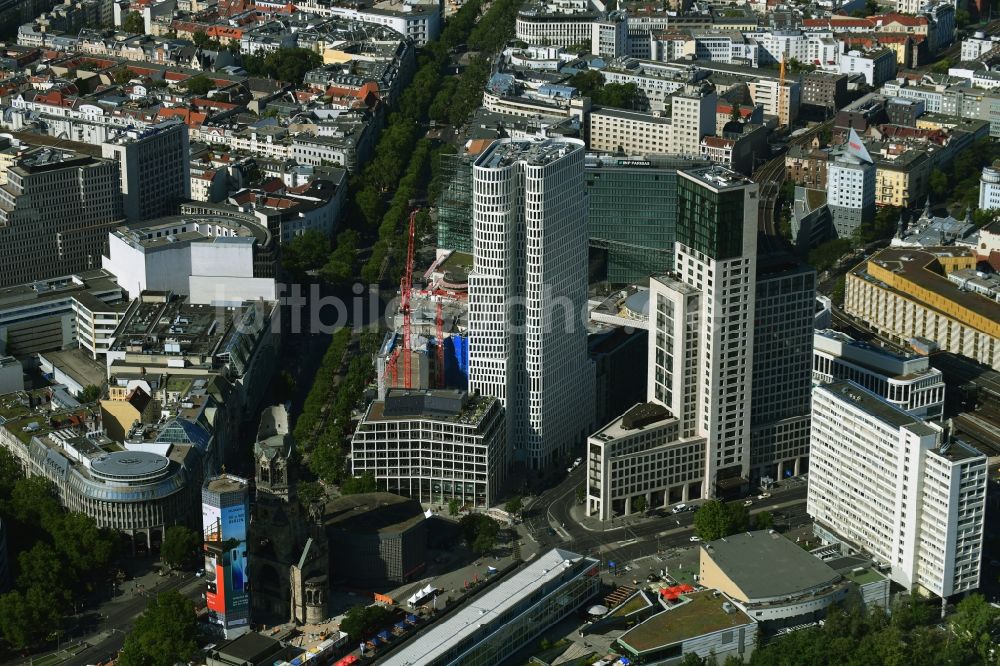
column 555, row 519
column 113, row 619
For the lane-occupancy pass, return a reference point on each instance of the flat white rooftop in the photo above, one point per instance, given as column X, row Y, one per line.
column 483, row 610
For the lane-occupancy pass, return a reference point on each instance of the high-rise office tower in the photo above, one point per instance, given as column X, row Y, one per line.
column 785, row 306
column 56, row 210
column 850, row 187
column 701, row 333
column 527, row 294
column 155, row 168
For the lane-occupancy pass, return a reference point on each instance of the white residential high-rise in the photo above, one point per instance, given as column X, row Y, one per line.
column 527, row 294
column 897, row 488
column 702, row 333
column 692, row 117
column 692, row 438
column 850, row 186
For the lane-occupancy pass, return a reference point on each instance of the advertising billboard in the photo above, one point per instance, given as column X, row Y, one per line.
column 227, row 593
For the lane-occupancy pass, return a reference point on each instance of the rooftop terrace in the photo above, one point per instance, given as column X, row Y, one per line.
column 538, row 152
column 700, row 613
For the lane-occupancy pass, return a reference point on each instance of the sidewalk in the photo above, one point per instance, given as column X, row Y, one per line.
column 592, row 524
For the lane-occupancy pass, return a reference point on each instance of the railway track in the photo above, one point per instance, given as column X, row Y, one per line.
column 770, row 178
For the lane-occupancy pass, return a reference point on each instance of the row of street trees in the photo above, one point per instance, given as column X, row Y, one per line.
column 404, row 166
column 58, row 558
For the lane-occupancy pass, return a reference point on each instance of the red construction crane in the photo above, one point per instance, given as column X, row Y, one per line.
column 405, row 287
column 439, row 321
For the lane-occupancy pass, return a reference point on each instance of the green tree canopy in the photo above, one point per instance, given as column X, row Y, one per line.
column 362, row 622
column 479, row 532
column 975, row 623
column 86, row 547
column 514, row 505
column 122, row 75
column 716, row 519
column 763, row 520
column 90, row 393
column 826, row 255
column 287, row 64
column 305, row 252
column 164, row 634
column 355, row 485
column 181, row 546
column 199, row 85
column 133, row 23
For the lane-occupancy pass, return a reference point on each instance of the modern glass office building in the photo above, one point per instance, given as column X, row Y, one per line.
column 455, row 203
column 633, row 212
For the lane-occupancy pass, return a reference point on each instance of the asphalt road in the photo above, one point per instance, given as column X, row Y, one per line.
column 116, row 619
column 551, row 524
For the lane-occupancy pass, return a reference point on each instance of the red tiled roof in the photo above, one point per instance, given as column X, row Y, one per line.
column 838, row 22
column 190, row 118
column 902, row 19
column 717, row 142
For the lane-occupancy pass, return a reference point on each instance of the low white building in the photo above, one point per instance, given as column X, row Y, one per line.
column 908, row 382
column 974, row 47
column 876, row 66
column 434, row 446
column 896, row 488
column 212, row 260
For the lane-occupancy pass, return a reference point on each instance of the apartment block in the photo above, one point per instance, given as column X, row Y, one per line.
column 899, row 489
column 907, row 382
column 630, row 132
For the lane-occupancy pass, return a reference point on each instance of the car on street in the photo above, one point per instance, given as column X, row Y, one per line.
column 748, row 502
column 763, row 495
column 551, row 532
column 694, row 538
column 569, row 470
column 577, row 462
column 679, row 508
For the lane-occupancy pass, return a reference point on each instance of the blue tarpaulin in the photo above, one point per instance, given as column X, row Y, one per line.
column 384, row 635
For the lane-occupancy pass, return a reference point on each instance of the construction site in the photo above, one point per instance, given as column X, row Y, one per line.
column 428, row 346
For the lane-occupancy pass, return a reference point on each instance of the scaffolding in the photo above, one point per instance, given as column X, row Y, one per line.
column 455, row 203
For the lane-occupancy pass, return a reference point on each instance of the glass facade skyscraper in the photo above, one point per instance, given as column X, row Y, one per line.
column 633, row 212
column 454, row 204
